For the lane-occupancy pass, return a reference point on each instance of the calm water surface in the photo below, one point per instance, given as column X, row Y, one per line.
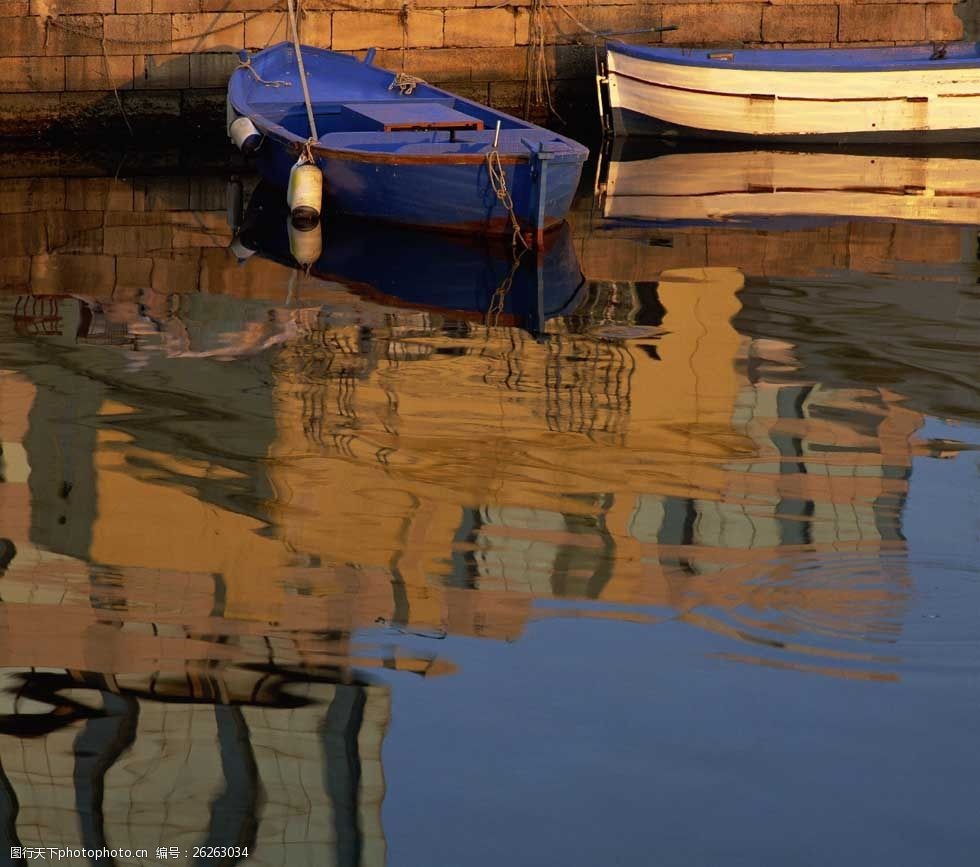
column 660, row 548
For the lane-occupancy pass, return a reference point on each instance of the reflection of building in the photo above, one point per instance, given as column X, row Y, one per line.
column 741, row 472
column 133, row 711
column 128, row 762
column 212, row 520
column 331, row 466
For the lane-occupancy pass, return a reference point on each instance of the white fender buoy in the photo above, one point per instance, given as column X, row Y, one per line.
column 305, row 193
column 305, row 243
column 245, row 136
column 239, row 250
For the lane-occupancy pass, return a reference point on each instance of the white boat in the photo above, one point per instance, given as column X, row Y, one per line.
column 763, row 187
column 832, row 95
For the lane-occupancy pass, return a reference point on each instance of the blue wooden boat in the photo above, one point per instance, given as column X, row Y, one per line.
column 397, row 149
column 923, row 93
column 473, row 278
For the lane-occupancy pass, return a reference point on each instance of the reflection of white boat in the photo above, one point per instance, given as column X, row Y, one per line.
column 757, row 185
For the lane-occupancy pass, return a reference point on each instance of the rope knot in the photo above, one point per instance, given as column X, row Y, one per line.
column 405, row 83
column 306, row 155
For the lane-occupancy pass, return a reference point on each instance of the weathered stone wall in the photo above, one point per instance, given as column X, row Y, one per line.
column 168, row 59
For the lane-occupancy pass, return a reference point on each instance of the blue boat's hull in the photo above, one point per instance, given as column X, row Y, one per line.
column 443, row 196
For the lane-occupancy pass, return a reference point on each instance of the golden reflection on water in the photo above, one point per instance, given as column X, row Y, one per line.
column 229, row 494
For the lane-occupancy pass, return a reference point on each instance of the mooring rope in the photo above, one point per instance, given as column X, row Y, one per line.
column 115, row 90
column 302, row 71
column 247, row 64
column 306, row 154
column 498, row 181
column 499, row 299
column 578, row 23
column 537, row 80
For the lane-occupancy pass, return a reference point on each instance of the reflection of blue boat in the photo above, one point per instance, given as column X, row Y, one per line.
column 400, row 266
column 399, row 150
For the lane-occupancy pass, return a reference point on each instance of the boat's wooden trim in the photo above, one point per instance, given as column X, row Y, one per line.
column 951, row 56
column 295, row 145
column 773, row 96
column 321, row 152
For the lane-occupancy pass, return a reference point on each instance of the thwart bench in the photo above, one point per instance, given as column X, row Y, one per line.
column 414, row 115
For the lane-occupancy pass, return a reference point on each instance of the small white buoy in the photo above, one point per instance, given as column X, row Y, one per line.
column 305, row 193
column 239, row 250
column 305, row 243
column 245, row 136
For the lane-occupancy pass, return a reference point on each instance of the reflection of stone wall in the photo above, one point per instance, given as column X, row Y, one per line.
column 171, row 58
column 894, row 248
column 95, row 235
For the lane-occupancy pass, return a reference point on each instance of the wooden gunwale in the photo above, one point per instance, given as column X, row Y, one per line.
column 701, row 92
column 658, row 55
column 407, row 159
column 296, row 145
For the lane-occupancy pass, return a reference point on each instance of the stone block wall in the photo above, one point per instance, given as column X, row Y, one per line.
column 83, row 64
